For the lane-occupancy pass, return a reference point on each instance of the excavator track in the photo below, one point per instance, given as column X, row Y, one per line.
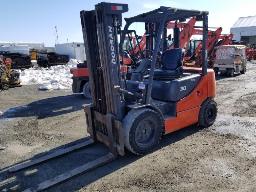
column 7, row 174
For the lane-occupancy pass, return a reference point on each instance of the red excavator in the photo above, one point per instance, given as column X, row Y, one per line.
column 213, row 38
column 251, row 52
column 187, row 30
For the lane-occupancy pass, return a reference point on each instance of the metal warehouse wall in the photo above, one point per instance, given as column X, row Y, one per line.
column 243, row 31
column 249, row 39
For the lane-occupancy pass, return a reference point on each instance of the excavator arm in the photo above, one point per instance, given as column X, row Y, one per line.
column 213, row 38
column 138, row 47
column 186, row 32
column 226, row 39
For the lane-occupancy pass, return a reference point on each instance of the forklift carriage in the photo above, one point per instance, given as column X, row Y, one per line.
column 160, row 97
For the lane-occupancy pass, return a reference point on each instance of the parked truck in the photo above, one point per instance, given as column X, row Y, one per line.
column 230, row 60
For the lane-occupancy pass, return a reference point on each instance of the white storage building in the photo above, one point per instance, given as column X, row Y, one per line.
column 75, row 50
column 244, row 29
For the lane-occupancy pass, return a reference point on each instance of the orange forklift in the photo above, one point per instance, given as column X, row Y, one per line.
column 161, row 96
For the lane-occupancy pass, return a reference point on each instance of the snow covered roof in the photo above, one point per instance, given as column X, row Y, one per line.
column 69, row 43
column 245, row 22
column 232, row 46
column 21, row 43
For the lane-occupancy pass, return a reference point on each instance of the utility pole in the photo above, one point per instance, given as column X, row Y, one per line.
column 57, row 35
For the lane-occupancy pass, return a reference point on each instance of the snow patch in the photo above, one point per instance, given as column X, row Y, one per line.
column 53, row 78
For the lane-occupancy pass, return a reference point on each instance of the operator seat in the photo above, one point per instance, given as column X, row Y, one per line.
column 139, row 73
column 170, row 84
column 171, row 65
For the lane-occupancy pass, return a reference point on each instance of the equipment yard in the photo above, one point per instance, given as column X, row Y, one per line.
column 125, row 99
column 218, row 158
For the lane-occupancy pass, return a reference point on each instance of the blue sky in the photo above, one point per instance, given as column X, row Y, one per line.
column 34, row 20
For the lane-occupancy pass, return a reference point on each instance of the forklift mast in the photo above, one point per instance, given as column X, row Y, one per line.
column 103, row 55
column 100, row 29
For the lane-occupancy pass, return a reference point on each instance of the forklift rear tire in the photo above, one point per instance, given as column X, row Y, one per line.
column 208, row 113
column 87, row 91
column 143, row 130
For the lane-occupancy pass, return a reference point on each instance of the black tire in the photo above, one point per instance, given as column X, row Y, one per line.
column 216, row 70
column 5, row 86
column 143, row 130
column 227, row 73
column 47, row 64
column 43, row 63
column 231, row 72
column 87, row 91
column 223, row 73
column 243, row 70
column 208, row 113
column 19, row 63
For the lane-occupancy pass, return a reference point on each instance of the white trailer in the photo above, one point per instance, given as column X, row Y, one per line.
column 74, row 50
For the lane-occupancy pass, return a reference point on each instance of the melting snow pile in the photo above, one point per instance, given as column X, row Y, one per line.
column 53, row 78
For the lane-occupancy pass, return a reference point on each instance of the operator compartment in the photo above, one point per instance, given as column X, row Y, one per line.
column 170, row 83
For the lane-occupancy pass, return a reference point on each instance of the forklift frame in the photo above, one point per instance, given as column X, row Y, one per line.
column 161, row 17
column 108, row 109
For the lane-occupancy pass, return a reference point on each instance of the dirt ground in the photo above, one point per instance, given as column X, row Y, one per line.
column 219, row 158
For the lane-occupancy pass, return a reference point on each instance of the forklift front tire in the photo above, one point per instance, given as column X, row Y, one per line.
column 143, row 130
column 208, row 113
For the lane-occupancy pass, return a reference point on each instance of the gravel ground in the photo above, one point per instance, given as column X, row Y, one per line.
column 220, row 158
